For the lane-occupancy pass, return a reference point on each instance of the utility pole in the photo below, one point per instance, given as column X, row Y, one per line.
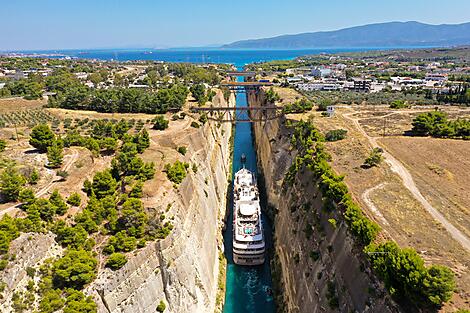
column 385, row 123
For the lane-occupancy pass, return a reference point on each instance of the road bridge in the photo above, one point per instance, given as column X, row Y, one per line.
column 241, row 113
column 241, row 74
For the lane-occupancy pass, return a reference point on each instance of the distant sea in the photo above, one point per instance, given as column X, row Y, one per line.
column 236, row 57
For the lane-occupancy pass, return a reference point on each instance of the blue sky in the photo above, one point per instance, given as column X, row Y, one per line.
column 68, row 24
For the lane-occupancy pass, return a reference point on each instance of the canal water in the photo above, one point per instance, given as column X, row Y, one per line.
column 246, row 286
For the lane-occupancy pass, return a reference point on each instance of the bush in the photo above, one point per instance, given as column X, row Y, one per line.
column 74, row 199
column 121, row 242
column 161, row 307
column 195, row 124
column 375, row 158
column 176, row 172
column 3, row 145
column 160, row 123
column 399, row 104
column 336, row 134
column 300, row 106
column 74, row 270
column 182, row 150
column 272, row 96
column 116, row 260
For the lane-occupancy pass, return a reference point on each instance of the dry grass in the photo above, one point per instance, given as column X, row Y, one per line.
column 440, row 168
column 17, row 104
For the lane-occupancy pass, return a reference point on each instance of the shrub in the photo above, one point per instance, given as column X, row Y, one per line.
column 161, row 307
column 300, row 106
column 62, row 174
column 160, row 123
column 375, row 158
column 3, row 145
column 74, row 270
column 336, row 134
column 399, row 104
column 195, row 124
column 176, row 172
column 116, row 260
column 33, row 179
column 74, row 199
column 272, row 96
column 182, row 150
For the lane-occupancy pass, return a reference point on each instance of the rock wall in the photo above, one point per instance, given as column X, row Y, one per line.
column 181, row 270
column 316, row 267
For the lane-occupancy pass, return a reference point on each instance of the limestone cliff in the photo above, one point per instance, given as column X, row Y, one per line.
column 181, row 270
column 317, row 266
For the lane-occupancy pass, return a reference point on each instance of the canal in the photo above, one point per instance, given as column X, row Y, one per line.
column 247, row 287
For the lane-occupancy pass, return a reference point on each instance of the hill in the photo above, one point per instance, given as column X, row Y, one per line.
column 393, row 34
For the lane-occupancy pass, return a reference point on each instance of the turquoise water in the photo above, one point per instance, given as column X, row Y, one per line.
column 246, row 287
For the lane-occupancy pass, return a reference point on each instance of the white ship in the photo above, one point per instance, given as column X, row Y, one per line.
column 248, row 238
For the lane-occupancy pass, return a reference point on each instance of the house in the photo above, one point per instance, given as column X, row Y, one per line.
column 436, row 77
column 321, row 72
column 361, row 84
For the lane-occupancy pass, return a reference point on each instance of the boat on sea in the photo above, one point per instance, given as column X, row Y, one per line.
column 248, row 237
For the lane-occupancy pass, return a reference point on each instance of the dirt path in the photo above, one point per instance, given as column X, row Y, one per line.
column 368, row 201
column 73, row 158
column 397, row 167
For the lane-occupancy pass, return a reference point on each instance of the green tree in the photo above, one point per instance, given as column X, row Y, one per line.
column 336, row 134
column 176, row 172
column 33, row 179
column 75, row 269
column 77, row 302
column 133, row 218
column 74, row 199
column 116, row 260
column 405, row 275
column 425, row 123
column 11, row 183
column 272, row 96
column 160, row 123
column 375, row 158
column 56, row 200
column 55, row 154
column 51, row 301
column 41, row 137
column 199, row 93
column 143, row 141
column 27, row 197
column 103, row 184
column 108, row 144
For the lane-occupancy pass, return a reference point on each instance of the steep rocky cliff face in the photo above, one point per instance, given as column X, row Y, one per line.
column 181, row 270
column 317, row 266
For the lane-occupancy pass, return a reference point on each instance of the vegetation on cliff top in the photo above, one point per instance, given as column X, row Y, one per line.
column 402, row 270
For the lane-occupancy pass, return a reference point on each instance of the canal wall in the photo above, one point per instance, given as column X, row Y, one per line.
column 181, row 270
column 316, row 265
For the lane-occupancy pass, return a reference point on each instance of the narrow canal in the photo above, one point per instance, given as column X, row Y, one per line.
column 247, row 287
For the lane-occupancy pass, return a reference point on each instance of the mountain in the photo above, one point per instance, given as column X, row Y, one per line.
column 393, row 34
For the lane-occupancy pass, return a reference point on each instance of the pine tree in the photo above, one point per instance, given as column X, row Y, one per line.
column 55, row 155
